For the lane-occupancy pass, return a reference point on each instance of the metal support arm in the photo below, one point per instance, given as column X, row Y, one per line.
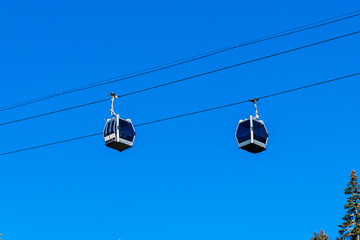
column 255, row 101
column 113, row 96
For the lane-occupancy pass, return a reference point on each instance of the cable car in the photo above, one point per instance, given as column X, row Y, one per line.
column 118, row 133
column 251, row 134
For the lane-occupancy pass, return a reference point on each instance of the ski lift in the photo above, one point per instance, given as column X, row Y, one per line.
column 251, row 134
column 118, row 133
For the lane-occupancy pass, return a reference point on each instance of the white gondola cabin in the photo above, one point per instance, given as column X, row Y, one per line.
column 119, row 133
column 251, row 135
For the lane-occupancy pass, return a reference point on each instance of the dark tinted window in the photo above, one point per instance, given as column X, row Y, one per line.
column 126, row 130
column 111, row 127
column 243, row 131
column 105, row 129
column 260, row 133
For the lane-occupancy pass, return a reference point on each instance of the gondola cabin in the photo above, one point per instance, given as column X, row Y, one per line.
column 119, row 133
column 251, row 135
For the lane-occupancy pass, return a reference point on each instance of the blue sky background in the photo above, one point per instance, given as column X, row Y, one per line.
column 184, row 178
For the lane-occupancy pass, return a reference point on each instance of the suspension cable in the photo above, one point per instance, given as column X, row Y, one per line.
column 183, row 79
column 187, row 60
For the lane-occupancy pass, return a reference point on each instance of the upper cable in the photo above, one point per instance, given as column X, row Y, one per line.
column 187, row 78
column 187, row 60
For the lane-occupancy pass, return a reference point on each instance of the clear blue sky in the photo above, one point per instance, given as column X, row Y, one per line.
column 184, row 178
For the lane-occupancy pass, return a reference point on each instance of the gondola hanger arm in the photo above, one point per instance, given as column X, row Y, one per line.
column 255, row 101
column 113, row 96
